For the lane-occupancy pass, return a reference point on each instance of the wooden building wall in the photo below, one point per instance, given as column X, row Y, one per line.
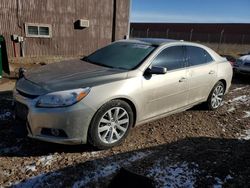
column 61, row 14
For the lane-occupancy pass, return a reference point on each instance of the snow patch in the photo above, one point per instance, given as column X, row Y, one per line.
column 111, row 168
column 237, row 101
column 28, row 168
column 245, row 135
column 238, row 89
column 231, row 109
column 46, row 160
column 247, row 114
column 241, row 99
column 178, row 175
column 95, row 153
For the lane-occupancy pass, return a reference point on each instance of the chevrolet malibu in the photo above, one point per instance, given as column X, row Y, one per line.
column 99, row 98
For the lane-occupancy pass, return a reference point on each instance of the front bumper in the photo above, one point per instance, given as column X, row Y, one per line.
column 74, row 121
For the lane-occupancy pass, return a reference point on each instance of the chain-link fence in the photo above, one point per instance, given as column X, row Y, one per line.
column 221, row 37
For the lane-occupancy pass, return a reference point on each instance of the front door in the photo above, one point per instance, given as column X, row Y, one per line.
column 168, row 92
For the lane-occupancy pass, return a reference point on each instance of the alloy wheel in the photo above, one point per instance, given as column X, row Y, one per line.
column 217, row 96
column 113, row 125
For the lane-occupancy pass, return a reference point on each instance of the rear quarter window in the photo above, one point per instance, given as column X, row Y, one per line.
column 197, row 56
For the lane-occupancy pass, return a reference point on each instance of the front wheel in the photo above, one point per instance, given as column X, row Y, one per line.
column 111, row 124
column 216, row 96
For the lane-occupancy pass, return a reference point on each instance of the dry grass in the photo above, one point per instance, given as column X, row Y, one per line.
column 234, row 50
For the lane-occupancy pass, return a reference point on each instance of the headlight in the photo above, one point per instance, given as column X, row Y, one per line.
column 62, row 98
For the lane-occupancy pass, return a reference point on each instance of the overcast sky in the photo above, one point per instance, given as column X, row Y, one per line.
column 198, row 11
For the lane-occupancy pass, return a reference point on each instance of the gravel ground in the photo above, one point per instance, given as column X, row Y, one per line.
column 196, row 148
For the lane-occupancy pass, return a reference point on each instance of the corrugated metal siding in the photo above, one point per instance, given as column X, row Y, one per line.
column 62, row 14
column 122, row 17
column 8, row 13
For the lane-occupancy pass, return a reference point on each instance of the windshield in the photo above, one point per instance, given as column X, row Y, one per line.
column 121, row 55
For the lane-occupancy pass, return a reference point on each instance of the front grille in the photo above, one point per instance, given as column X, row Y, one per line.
column 21, row 111
column 27, row 95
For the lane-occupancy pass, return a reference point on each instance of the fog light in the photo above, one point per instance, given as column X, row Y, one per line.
column 55, row 132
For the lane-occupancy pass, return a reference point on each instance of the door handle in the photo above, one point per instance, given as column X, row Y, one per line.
column 182, row 79
column 212, row 72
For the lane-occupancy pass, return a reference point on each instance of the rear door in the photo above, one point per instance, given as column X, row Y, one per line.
column 165, row 93
column 202, row 71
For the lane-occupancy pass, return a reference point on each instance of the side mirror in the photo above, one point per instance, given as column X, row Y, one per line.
column 156, row 70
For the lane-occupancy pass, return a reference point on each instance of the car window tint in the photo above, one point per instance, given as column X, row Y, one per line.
column 171, row 58
column 197, row 56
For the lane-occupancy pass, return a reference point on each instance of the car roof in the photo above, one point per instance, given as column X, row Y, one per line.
column 151, row 41
column 245, row 58
column 161, row 42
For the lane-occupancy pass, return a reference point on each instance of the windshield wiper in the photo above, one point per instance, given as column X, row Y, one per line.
column 100, row 64
column 87, row 60
column 96, row 63
column 121, row 68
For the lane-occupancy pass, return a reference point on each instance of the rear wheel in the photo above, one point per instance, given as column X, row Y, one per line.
column 111, row 124
column 215, row 98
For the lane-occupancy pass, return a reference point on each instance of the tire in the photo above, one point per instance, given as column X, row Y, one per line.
column 110, row 125
column 216, row 96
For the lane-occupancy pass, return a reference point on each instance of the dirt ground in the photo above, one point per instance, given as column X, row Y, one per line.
column 195, row 148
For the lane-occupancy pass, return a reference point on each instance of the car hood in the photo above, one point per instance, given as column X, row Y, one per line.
column 67, row 75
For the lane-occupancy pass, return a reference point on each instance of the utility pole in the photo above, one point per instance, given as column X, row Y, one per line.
column 131, row 33
column 221, row 36
column 191, row 35
column 147, row 32
column 242, row 39
column 167, row 32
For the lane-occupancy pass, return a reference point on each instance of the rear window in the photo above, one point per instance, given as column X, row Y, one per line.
column 197, row 56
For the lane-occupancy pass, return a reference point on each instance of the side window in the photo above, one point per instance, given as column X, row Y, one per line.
column 171, row 58
column 197, row 56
